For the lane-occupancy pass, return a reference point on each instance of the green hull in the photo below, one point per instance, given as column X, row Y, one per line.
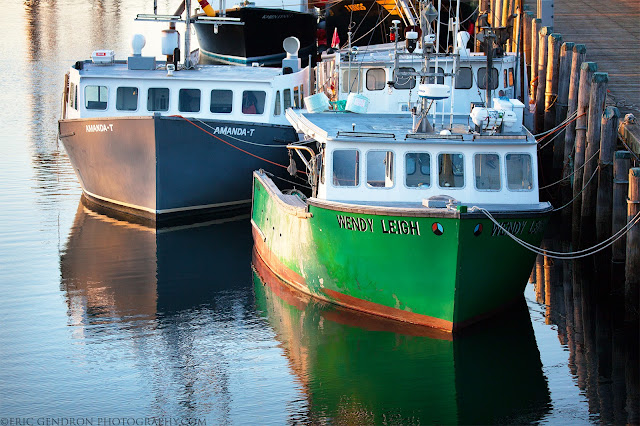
column 431, row 270
column 360, row 369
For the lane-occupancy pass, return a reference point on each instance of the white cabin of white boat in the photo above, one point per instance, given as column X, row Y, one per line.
column 250, row 94
column 373, row 158
column 371, row 71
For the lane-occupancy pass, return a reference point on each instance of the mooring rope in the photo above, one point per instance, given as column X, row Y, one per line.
column 595, row 172
column 568, row 255
column 232, row 145
column 574, row 172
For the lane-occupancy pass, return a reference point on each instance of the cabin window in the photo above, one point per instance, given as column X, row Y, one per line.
column 158, row 99
column 404, row 79
column 450, row 170
column 487, row 170
column 346, row 167
column 287, row 98
column 417, row 170
column 376, row 79
column 380, row 169
column 296, row 98
column 321, row 161
column 127, row 98
column 189, row 100
column 482, row 78
column 511, row 78
column 253, row 101
column 464, row 79
column 434, row 79
column 73, row 95
column 95, row 97
column 221, row 101
column 354, row 85
column 519, row 172
column 277, row 107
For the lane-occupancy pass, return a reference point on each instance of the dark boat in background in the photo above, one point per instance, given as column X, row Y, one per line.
column 255, row 35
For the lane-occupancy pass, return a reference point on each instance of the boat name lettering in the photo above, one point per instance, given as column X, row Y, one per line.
column 276, row 16
column 234, row 131
column 355, row 223
column 536, row 227
column 404, row 227
column 515, row 228
column 92, row 128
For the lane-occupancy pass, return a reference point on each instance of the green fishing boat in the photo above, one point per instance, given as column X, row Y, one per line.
column 418, row 227
column 426, row 217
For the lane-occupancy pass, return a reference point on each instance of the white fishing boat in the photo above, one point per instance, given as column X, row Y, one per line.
column 163, row 140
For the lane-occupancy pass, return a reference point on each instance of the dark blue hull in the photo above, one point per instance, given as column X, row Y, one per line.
column 166, row 168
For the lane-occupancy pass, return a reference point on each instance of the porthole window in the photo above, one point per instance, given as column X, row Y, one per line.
column 450, row 170
column 376, row 79
column 346, row 167
column 487, row 172
column 127, row 98
column 519, row 172
column 95, row 97
column 417, row 170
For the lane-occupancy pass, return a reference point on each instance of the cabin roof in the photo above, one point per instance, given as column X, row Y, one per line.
column 227, row 73
column 350, row 127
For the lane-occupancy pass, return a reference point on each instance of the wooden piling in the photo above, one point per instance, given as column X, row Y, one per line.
column 551, row 85
column 543, row 43
column 526, row 40
column 535, row 28
column 586, row 73
column 604, row 195
column 597, row 97
column 621, row 166
column 632, row 269
column 497, row 18
column 562, row 106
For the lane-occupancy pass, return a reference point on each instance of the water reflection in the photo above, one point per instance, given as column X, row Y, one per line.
column 365, row 370
column 584, row 300
column 113, row 270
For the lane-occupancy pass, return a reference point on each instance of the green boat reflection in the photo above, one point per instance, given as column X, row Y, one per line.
column 361, row 369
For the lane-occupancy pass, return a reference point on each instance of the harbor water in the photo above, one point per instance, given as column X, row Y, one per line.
column 106, row 322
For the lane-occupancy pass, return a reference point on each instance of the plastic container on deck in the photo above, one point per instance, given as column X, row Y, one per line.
column 316, row 103
column 357, row 103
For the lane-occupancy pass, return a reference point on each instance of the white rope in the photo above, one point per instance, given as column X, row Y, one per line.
column 569, row 118
column 581, row 191
column 560, row 255
column 573, row 173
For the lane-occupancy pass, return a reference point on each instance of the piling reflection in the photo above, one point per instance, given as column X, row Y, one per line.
column 360, row 369
column 584, row 299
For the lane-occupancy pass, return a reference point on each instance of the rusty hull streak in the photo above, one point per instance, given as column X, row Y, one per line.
column 298, row 282
column 388, row 312
column 337, row 313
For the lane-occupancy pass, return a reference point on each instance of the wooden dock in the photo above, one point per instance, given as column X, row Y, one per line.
column 611, row 32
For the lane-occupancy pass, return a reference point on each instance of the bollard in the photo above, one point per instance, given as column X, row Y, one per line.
column 586, row 72
column 543, row 43
column 604, row 194
column 596, row 105
column 632, row 268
